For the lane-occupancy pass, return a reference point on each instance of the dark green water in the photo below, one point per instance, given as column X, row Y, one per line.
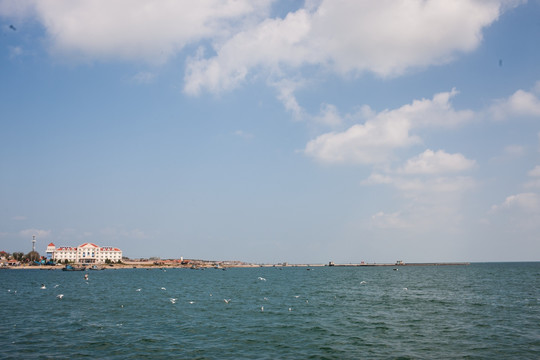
column 480, row 311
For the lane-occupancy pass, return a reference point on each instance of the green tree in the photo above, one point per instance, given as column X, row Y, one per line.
column 18, row 256
column 32, row 256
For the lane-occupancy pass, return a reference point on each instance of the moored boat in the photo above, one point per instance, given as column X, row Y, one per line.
column 73, row 268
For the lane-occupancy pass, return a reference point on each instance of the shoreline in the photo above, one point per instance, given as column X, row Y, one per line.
column 195, row 265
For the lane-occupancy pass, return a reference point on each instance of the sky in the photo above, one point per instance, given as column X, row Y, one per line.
column 272, row 131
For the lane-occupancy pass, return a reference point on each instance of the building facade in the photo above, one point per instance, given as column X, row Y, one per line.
column 86, row 253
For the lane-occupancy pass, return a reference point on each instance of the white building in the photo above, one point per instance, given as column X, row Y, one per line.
column 86, row 253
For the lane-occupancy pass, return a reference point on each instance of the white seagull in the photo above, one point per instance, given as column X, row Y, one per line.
column 226, row 300
column 60, row 296
column 173, row 300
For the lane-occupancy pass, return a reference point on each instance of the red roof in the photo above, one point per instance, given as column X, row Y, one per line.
column 51, row 244
column 108, row 248
column 93, row 245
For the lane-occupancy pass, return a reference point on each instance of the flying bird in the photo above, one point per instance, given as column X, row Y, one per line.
column 227, row 300
column 12, row 27
column 60, row 296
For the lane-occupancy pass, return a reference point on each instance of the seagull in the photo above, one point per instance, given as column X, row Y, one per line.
column 138, row 290
column 297, row 296
column 55, row 286
column 405, row 289
column 163, row 288
column 262, row 279
column 173, row 300
column 262, row 308
column 192, row 302
column 12, row 27
column 265, row 299
column 363, row 282
column 226, row 300
column 43, row 286
column 60, row 296
column 290, row 309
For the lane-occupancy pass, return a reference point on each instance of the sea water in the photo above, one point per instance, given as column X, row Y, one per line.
column 477, row 311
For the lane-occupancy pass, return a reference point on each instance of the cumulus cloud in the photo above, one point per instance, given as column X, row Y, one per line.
column 430, row 162
column 374, row 141
column 133, row 29
column 529, row 202
column 286, row 89
column 521, row 103
column 383, row 37
column 432, row 194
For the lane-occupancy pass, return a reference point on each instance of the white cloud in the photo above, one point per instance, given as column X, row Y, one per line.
column 374, row 141
column 286, row 89
column 529, row 202
column 28, row 233
column 430, row 162
column 329, row 115
column 383, row 37
column 271, row 43
column 521, row 103
column 133, row 29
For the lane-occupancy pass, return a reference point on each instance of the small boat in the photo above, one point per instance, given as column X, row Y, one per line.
column 73, row 268
column 95, row 267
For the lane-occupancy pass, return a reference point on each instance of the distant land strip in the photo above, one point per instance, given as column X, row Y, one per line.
column 408, row 264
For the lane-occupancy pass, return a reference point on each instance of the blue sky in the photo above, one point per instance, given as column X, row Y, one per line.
column 272, row 131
